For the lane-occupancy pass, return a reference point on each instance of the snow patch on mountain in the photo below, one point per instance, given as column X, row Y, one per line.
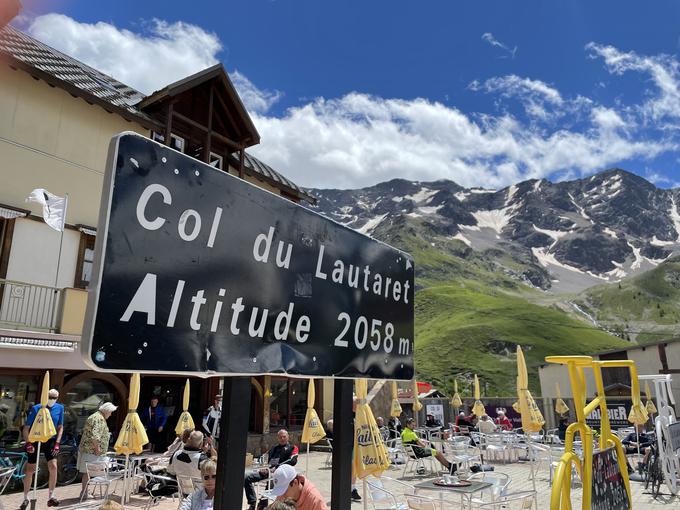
column 556, row 235
column 371, row 224
column 496, row 219
column 675, row 217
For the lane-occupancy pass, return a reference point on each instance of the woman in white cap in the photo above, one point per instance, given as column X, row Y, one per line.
column 94, row 441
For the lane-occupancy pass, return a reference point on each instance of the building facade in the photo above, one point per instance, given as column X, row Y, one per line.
column 57, row 116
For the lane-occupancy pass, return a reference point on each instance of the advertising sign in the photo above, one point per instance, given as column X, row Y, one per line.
column 198, row 271
column 609, row 490
column 618, row 415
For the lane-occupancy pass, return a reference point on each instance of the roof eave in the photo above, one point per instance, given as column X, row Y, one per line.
column 141, row 119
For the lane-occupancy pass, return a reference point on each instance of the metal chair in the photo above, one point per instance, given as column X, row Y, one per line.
column 329, row 458
column 500, row 482
column 151, row 480
column 100, row 477
column 517, row 500
column 382, row 499
column 420, row 503
column 5, row 477
column 412, row 458
column 186, row 485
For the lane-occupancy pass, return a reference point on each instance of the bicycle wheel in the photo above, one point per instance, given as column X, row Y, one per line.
column 67, row 468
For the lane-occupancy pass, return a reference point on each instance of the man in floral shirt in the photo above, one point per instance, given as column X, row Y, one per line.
column 94, row 441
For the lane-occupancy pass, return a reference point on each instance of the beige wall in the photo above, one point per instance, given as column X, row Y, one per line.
column 73, row 303
column 51, row 140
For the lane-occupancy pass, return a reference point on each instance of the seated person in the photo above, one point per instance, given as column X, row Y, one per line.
column 503, row 421
column 421, row 448
column 203, row 498
column 562, row 428
column 187, row 460
column 384, row 432
column 287, row 485
column 485, row 425
column 638, row 439
column 394, row 426
column 282, row 453
column 432, row 423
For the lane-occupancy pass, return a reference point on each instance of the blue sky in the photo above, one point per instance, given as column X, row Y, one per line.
column 351, row 93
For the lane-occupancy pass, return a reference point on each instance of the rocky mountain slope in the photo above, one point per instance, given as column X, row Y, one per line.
column 532, row 264
column 570, row 235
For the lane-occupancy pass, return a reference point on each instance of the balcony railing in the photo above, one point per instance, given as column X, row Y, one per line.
column 29, row 306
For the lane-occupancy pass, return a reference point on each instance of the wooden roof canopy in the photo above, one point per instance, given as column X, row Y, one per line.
column 204, row 106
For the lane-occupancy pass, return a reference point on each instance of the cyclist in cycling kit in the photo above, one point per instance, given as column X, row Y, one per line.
column 50, row 448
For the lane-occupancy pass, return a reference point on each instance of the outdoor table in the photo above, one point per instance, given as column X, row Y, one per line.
column 134, row 462
column 465, row 492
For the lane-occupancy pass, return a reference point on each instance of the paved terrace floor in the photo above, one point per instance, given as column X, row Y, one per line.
column 321, row 476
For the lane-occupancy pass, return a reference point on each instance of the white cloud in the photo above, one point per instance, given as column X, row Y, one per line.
column 489, row 38
column 255, row 99
column 159, row 55
column 536, row 96
column 663, row 70
column 359, row 140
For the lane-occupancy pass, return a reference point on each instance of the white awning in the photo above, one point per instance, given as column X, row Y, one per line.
column 10, row 214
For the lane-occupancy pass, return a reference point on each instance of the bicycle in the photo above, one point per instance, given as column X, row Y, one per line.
column 67, row 461
column 18, row 460
column 654, row 474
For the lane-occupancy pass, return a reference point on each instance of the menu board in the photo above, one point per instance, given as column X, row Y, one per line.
column 608, row 489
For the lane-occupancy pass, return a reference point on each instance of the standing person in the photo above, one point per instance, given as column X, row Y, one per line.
column 503, row 421
column 287, row 484
column 282, row 453
column 94, row 441
column 211, row 420
column 4, row 419
column 50, row 448
column 203, row 498
column 153, row 419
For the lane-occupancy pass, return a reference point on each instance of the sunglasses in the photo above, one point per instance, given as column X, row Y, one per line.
column 209, row 477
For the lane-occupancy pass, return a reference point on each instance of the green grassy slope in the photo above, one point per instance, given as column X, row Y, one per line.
column 472, row 309
column 462, row 329
column 645, row 308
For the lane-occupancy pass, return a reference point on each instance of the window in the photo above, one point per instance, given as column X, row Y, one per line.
column 216, row 160
column 287, row 404
column 18, row 393
column 177, row 141
column 85, row 261
column 83, row 400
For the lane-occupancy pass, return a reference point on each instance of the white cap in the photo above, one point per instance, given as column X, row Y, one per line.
column 283, row 475
column 107, row 407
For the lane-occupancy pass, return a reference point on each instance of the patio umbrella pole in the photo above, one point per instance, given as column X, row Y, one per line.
column 35, row 482
column 363, row 484
column 126, row 496
column 307, row 463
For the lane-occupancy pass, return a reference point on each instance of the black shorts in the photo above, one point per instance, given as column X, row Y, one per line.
column 45, row 448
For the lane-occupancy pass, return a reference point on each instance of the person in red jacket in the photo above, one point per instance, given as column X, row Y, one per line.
column 503, row 422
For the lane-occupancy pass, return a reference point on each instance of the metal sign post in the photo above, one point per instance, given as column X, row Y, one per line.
column 199, row 272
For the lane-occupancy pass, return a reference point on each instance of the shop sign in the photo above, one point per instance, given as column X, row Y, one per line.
column 198, row 271
column 618, row 415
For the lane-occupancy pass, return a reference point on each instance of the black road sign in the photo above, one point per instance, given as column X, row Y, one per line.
column 199, row 271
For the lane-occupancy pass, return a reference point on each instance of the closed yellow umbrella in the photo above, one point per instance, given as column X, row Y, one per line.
column 42, row 429
column 532, row 419
column 185, row 420
column 370, row 453
column 417, row 406
column 313, row 430
column 560, row 405
column 516, row 407
column 478, row 409
column 649, row 405
column 396, row 406
column 132, row 436
column 638, row 413
column 456, row 401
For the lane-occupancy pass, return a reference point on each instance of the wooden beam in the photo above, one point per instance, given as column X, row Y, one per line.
column 229, row 115
column 168, row 124
column 203, row 128
column 208, row 136
column 241, row 162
